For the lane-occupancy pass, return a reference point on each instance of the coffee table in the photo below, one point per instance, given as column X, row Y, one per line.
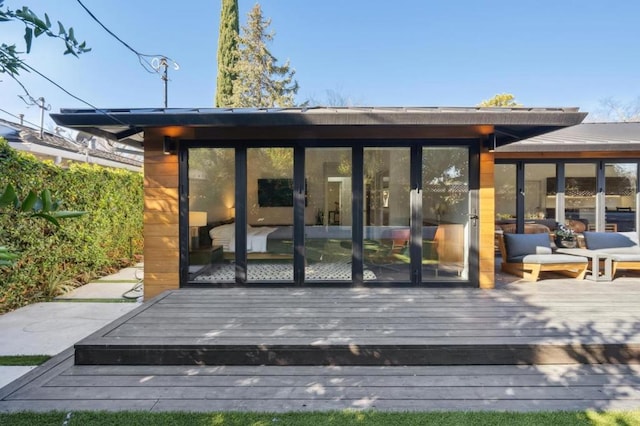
column 595, row 258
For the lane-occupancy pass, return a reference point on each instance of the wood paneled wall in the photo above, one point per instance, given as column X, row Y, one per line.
column 161, row 232
column 487, row 220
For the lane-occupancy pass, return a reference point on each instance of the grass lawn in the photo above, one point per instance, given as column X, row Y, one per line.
column 326, row 418
column 22, row 360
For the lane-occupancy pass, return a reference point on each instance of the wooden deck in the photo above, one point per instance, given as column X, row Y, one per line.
column 556, row 344
column 375, row 326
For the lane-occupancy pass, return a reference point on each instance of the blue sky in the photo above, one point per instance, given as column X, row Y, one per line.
column 370, row 52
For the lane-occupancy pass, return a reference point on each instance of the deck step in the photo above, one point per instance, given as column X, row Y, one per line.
column 574, row 324
column 95, row 353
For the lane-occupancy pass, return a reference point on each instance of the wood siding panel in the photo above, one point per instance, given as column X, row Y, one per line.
column 487, row 221
column 161, row 181
column 161, row 231
column 162, row 205
column 159, row 287
column 161, row 243
column 161, row 218
column 162, row 169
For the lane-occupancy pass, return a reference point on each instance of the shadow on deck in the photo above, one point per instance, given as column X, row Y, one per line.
column 555, row 321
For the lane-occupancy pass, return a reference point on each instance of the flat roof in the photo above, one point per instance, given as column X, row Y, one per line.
column 127, row 125
column 612, row 136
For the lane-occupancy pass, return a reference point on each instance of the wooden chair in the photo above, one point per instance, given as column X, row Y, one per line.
column 400, row 239
column 608, row 227
column 527, row 255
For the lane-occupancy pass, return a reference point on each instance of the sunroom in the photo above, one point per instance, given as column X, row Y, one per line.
column 319, row 196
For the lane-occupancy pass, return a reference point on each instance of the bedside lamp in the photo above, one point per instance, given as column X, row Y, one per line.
column 196, row 220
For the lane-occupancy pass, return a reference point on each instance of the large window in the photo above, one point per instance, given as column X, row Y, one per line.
column 505, row 192
column 579, row 194
column 270, row 214
column 328, row 214
column 388, row 214
column 211, row 215
column 539, row 198
column 445, row 211
column 620, row 196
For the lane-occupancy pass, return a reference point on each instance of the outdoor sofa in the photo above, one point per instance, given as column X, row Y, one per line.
column 621, row 247
column 526, row 255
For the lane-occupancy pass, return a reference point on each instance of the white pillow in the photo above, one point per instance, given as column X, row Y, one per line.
column 225, row 232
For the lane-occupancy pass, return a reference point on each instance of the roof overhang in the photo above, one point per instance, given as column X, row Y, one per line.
column 592, row 137
column 509, row 124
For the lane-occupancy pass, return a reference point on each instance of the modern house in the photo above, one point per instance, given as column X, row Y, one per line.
column 349, row 196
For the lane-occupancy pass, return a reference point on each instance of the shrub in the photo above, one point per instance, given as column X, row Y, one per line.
column 54, row 259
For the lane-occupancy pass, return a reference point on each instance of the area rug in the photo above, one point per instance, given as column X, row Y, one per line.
column 284, row 272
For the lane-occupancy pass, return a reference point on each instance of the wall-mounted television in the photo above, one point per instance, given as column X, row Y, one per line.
column 276, row 192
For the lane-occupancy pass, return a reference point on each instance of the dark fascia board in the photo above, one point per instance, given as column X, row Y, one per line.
column 575, row 147
column 521, row 122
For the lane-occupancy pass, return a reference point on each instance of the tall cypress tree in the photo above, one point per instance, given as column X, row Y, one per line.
column 260, row 82
column 227, row 52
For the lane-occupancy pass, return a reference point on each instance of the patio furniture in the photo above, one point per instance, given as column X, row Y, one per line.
column 595, row 259
column 621, row 247
column 527, row 255
column 608, row 227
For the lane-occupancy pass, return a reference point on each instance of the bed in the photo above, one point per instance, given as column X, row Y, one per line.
column 225, row 236
column 275, row 239
column 279, row 239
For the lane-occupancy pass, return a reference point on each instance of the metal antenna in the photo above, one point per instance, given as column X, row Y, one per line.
column 163, row 62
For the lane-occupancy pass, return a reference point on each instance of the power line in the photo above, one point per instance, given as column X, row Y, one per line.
column 58, row 86
column 21, row 118
column 74, row 96
column 142, row 57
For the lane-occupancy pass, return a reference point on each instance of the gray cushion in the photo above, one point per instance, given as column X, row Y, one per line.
column 626, row 257
column 635, row 250
column 604, row 240
column 548, row 259
column 519, row 245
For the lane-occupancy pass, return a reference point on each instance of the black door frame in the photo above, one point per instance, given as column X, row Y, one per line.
column 357, row 146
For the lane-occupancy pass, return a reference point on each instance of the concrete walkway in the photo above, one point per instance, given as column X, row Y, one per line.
column 51, row 327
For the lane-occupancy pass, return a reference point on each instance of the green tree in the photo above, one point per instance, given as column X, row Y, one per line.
column 501, row 100
column 227, row 52
column 260, row 82
column 10, row 61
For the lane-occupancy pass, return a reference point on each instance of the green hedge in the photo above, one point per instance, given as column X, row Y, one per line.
column 52, row 259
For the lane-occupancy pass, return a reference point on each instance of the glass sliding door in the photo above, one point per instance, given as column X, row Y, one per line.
column 620, row 196
column 539, row 192
column 269, row 214
column 211, row 215
column 328, row 215
column 580, row 191
column 445, row 213
column 386, row 214
column 505, row 190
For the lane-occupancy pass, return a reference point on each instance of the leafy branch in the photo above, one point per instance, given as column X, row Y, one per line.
column 35, row 26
